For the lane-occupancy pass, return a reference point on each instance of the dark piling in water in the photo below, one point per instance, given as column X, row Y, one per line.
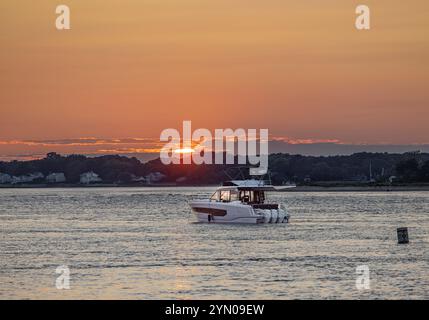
column 402, row 235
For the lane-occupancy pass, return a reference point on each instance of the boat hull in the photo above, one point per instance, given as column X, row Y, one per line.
column 235, row 213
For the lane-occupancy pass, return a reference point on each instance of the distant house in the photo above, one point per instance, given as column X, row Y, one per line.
column 154, row 177
column 56, row 177
column 135, row 178
column 5, row 178
column 27, row 178
column 89, row 177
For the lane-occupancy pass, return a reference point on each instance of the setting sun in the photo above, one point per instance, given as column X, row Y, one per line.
column 184, row 150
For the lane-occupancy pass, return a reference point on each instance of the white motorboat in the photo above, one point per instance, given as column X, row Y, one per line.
column 240, row 201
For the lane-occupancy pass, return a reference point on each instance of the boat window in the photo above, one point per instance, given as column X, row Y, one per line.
column 245, row 196
column 234, row 195
column 248, row 196
column 215, row 196
column 224, row 196
column 258, row 197
column 255, row 197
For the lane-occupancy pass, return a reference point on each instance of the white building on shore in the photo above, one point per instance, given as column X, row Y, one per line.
column 56, row 177
column 154, row 177
column 89, row 177
column 5, row 178
column 28, row 178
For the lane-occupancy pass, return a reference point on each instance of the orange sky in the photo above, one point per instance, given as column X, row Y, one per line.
column 132, row 68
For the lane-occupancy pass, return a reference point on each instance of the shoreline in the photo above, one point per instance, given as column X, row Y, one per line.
column 398, row 188
column 358, row 189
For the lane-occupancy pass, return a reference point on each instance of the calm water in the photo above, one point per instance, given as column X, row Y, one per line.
column 143, row 244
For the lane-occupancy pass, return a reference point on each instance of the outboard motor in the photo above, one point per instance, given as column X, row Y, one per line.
column 274, row 216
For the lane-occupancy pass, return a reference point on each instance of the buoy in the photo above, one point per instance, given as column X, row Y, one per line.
column 402, row 235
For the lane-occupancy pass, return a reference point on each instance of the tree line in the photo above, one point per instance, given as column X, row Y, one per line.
column 359, row 167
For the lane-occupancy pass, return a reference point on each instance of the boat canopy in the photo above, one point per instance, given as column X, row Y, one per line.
column 254, row 185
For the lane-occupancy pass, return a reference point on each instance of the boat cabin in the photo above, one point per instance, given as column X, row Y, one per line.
column 249, row 192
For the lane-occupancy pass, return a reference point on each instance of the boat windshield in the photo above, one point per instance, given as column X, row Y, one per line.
column 215, row 196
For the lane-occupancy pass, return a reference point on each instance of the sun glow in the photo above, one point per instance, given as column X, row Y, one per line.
column 184, row 150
